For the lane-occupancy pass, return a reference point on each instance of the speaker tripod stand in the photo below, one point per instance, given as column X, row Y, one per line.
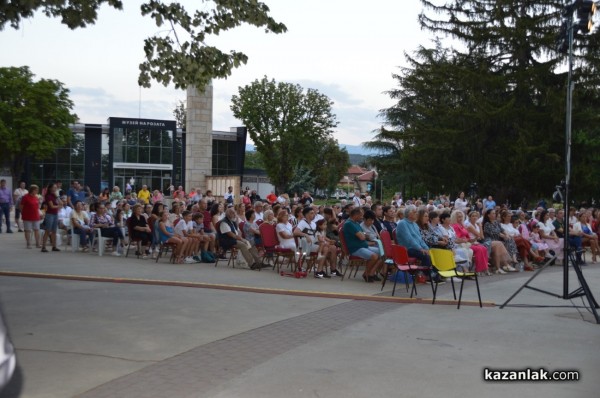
column 582, row 291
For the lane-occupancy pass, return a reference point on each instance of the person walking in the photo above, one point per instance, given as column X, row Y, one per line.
column 6, row 204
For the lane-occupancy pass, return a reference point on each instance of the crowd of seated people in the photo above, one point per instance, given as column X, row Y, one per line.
column 484, row 237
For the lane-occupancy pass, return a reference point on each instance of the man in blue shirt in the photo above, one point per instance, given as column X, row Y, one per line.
column 409, row 236
column 6, row 204
column 489, row 203
column 75, row 194
column 356, row 241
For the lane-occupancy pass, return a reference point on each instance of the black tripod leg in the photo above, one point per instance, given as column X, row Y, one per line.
column 525, row 285
column 586, row 291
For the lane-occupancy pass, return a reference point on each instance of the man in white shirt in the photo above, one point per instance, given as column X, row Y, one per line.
column 64, row 213
column 258, row 209
column 356, row 198
column 17, row 195
column 307, row 230
column 228, row 196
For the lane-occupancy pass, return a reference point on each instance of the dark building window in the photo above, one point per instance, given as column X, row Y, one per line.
column 66, row 164
column 133, row 145
column 224, row 158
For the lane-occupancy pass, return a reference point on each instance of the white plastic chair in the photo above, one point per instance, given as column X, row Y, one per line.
column 101, row 242
column 74, row 236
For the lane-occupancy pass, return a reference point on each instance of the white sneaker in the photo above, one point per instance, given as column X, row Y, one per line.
column 510, row 268
column 189, row 260
column 116, row 254
column 500, row 271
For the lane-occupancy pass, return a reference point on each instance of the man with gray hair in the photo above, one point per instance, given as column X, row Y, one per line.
column 409, row 236
column 230, row 236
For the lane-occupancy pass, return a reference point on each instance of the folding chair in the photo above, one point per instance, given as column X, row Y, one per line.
column 101, row 242
column 163, row 248
column 132, row 240
column 232, row 250
column 408, row 266
column 353, row 261
column 270, row 243
column 443, row 261
column 398, row 260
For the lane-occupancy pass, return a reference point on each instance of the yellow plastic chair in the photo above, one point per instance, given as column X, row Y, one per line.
column 443, row 261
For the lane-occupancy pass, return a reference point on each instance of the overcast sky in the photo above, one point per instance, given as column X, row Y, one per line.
column 347, row 49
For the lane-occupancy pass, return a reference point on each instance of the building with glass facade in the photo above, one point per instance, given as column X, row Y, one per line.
column 137, row 151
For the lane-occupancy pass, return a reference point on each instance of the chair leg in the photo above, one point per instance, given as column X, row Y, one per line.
column 345, row 270
column 460, row 295
column 160, row 249
column 478, row 293
column 434, row 290
column 383, row 281
column 414, row 287
column 452, row 283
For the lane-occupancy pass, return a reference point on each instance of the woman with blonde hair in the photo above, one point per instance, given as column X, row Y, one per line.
column 464, row 239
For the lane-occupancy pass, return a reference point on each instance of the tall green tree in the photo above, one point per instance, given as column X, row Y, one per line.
column 177, row 55
column 332, row 164
column 287, row 124
column 34, row 117
column 489, row 110
column 180, row 114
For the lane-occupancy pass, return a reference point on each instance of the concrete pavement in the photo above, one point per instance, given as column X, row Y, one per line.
column 91, row 339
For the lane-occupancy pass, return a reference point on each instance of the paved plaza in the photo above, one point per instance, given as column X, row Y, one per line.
column 90, row 326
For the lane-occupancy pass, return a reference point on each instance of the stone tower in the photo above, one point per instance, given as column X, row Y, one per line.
column 198, row 146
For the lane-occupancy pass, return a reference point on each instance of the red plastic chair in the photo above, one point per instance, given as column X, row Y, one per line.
column 271, row 246
column 232, row 250
column 353, row 261
column 404, row 264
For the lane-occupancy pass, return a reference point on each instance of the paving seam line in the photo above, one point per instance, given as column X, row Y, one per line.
column 239, row 288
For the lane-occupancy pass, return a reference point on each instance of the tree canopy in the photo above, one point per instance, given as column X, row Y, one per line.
column 34, row 117
column 180, row 56
column 492, row 109
column 292, row 130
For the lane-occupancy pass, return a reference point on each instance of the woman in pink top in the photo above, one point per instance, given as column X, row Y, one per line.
column 463, row 238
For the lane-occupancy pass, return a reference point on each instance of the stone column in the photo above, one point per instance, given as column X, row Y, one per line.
column 198, row 146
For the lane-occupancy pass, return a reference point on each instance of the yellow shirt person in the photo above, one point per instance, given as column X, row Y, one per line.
column 144, row 194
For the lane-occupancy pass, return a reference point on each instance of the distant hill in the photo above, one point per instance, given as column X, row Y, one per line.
column 356, row 159
column 358, row 150
column 352, row 150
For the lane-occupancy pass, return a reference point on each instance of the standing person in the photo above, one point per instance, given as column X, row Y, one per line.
column 228, row 196
column 247, row 202
column 75, row 194
column 53, row 205
column 306, row 199
column 157, row 197
column 115, row 196
column 144, row 194
column 489, row 203
column 461, row 203
column 30, row 211
column 356, row 198
column 17, row 196
column 6, row 204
